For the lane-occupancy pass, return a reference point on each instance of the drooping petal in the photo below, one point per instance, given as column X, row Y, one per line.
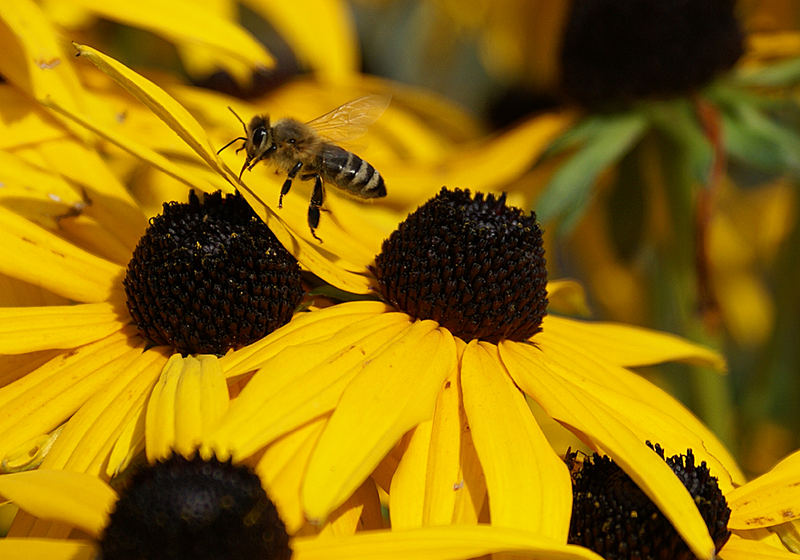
column 626, row 345
column 454, row 542
column 89, row 436
column 395, row 391
column 30, row 253
column 43, row 399
column 771, row 499
column 80, row 499
column 301, row 383
column 529, row 486
column 30, row 329
column 579, row 407
column 188, row 400
column 669, row 423
column 47, row 549
column 361, row 511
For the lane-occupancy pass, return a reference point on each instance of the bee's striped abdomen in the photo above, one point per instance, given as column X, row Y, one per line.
column 349, row 172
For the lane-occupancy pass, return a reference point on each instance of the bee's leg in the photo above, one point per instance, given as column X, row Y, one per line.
column 287, row 184
column 317, row 198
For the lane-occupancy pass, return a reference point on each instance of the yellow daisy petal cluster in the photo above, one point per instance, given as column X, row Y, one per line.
column 413, row 386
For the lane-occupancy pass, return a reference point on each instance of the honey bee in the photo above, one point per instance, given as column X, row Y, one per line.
column 311, row 151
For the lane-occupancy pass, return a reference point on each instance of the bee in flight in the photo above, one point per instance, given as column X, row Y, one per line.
column 310, row 149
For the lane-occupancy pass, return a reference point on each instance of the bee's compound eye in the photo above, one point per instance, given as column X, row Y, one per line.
column 259, row 136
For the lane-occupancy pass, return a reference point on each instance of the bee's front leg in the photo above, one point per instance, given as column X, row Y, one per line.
column 287, row 184
column 317, row 198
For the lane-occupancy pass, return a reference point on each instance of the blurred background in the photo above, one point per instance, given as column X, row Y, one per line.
column 658, row 141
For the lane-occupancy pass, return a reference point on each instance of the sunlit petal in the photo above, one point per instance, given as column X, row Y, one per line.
column 47, row 549
column 738, row 548
column 394, row 392
column 771, row 499
column 529, row 486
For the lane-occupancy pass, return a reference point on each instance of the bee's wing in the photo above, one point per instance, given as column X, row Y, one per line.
column 349, row 121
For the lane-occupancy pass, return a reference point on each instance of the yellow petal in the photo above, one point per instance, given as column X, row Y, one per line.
column 32, row 254
column 395, row 391
column 627, row 345
column 184, row 174
column 436, row 543
column 669, row 423
column 80, row 499
column 333, row 268
column 576, row 406
column 361, row 511
column 24, row 122
column 186, row 403
column 47, row 549
column 300, row 383
column 29, row 329
column 324, row 38
column 184, row 21
column 43, row 399
column 41, row 68
column 567, row 296
column 129, row 444
column 771, row 499
column 303, row 328
column 407, row 490
column 529, row 486
column 90, row 435
column 738, row 548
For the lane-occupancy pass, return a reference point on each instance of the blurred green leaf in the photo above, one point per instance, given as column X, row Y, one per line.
column 678, row 120
column 753, row 138
column 569, row 190
column 778, row 74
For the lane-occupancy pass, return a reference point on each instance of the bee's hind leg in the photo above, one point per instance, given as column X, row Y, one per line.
column 287, row 184
column 317, row 198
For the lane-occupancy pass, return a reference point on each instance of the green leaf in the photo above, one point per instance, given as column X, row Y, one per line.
column 677, row 120
column 785, row 73
column 569, row 190
column 756, row 140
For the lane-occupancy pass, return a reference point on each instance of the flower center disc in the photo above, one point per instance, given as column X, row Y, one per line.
column 210, row 276
column 472, row 264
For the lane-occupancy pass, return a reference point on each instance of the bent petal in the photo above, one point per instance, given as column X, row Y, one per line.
column 529, row 486
column 627, row 345
column 30, row 329
column 394, row 392
column 79, row 499
column 454, row 542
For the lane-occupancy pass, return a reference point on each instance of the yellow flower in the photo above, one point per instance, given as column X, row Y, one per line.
column 190, row 397
column 371, row 373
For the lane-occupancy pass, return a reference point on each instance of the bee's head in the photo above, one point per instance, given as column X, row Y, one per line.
column 260, row 143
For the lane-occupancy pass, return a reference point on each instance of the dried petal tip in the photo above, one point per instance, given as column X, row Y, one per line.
column 473, row 264
column 190, row 508
column 210, row 276
column 613, row 517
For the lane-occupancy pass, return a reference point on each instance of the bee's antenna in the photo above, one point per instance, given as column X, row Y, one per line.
column 238, row 118
column 231, row 142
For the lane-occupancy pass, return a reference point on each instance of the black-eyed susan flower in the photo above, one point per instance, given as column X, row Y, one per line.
column 430, row 387
column 370, row 372
column 189, row 504
column 207, row 276
column 613, row 517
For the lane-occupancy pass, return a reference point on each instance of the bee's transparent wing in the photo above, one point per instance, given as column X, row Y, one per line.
column 349, row 121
